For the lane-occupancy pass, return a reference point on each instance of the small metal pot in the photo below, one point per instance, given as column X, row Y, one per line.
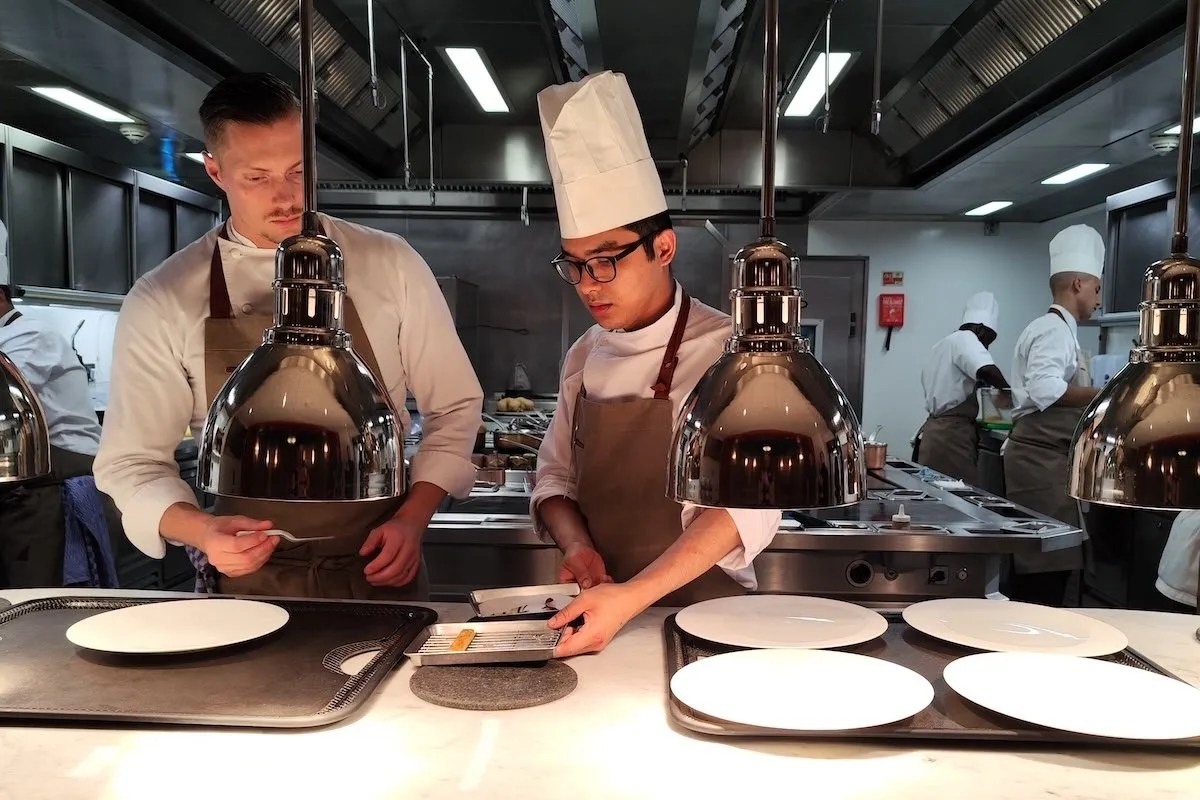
column 875, row 454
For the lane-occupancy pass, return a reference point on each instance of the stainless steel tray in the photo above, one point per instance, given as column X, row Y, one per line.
column 949, row 718
column 524, row 600
column 494, row 643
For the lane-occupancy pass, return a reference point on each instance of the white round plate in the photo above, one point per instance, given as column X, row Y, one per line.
column 1012, row 627
column 801, row 690
column 1081, row 695
column 781, row 620
column 177, row 626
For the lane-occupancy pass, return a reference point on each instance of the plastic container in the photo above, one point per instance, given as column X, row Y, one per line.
column 995, row 408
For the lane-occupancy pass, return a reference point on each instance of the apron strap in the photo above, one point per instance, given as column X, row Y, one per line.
column 16, row 315
column 666, row 373
column 219, row 306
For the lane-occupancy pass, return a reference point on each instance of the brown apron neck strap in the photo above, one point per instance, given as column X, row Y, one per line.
column 1058, row 314
column 218, row 292
column 15, row 316
column 219, row 306
column 666, row 373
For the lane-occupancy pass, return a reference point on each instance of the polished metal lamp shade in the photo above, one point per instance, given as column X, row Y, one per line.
column 767, row 425
column 303, row 418
column 24, row 435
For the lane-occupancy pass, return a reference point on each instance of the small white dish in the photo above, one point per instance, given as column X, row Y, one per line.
column 781, row 620
column 1013, row 627
column 177, row 626
column 1080, row 695
column 801, row 690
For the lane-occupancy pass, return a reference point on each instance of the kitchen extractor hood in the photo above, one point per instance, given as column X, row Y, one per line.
column 24, row 435
column 767, row 426
column 303, row 418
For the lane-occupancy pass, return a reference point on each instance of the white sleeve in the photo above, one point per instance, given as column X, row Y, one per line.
column 555, row 476
column 149, row 407
column 756, row 528
column 442, row 380
column 1044, row 371
column 970, row 355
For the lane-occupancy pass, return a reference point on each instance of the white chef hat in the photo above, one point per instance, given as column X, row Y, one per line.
column 982, row 309
column 604, row 176
column 1079, row 248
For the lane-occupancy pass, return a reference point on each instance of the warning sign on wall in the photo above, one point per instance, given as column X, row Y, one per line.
column 893, row 279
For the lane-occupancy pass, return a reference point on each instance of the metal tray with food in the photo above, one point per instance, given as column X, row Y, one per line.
column 449, row 644
column 518, row 601
column 949, row 718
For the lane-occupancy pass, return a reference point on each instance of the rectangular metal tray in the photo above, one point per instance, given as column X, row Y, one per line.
column 534, row 594
column 494, row 643
column 289, row 679
column 950, row 718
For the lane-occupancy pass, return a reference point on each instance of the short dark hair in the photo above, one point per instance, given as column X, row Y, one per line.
column 650, row 227
column 255, row 98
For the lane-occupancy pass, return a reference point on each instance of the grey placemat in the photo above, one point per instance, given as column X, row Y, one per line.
column 494, row 687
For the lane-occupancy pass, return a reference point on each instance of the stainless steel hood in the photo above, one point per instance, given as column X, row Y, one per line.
column 24, row 435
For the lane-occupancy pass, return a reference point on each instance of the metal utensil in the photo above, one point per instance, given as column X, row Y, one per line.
column 287, row 536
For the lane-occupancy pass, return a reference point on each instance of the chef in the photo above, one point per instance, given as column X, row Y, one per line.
column 1051, row 388
column 602, row 468
column 189, row 322
column 32, row 519
column 1179, row 567
column 949, row 440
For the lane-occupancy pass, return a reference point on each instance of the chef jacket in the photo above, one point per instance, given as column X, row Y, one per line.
column 158, row 379
column 1045, row 362
column 949, row 374
column 1179, row 568
column 619, row 365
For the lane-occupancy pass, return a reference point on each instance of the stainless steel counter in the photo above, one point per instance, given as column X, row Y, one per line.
column 955, row 545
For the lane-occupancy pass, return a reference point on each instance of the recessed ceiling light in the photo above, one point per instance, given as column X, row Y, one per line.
column 988, row 208
column 474, row 71
column 197, row 157
column 812, row 88
column 1177, row 129
column 78, row 102
column 1074, row 174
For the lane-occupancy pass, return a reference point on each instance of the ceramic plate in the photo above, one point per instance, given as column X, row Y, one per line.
column 801, row 690
column 1081, row 695
column 177, row 626
column 779, row 620
column 1008, row 626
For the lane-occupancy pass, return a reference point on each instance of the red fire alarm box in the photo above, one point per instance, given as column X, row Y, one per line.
column 891, row 310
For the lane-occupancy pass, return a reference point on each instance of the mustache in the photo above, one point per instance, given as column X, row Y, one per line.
column 281, row 215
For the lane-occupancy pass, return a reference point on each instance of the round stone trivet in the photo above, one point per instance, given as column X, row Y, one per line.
column 493, row 688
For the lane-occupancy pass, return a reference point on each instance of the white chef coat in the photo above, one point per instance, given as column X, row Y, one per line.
column 47, row 361
column 620, row 365
column 1179, row 568
column 949, row 374
column 158, row 364
column 1045, row 362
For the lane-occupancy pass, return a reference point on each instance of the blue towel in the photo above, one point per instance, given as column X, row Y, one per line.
column 88, row 557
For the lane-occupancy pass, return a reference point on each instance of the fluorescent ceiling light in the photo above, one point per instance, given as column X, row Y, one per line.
column 812, row 88
column 477, row 76
column 84, row 105
column 197, row 157
column 1074, row 174
column 1177, row 129
column 988, row 208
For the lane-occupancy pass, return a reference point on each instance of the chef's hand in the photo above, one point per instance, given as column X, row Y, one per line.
column 583, row 565
column 233, row 555
column 604, row 610
column 398, row 542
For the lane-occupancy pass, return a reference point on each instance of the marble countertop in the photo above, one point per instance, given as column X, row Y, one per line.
column 611, row 738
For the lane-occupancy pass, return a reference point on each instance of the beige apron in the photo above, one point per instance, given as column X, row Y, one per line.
column 950, row 441
column 332, row 568
column 1036, row 467
column 620, row 450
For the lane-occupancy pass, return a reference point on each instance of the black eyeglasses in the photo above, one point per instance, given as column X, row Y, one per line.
column 603, row 269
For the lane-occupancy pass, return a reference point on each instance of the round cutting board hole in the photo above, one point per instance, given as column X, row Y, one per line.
column 356, row 663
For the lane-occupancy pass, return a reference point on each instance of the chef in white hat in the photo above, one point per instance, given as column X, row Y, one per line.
column 1051, row 388
column 601, row 482
column 949, row 440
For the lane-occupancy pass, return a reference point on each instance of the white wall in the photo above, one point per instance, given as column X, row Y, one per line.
column 943, row 265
